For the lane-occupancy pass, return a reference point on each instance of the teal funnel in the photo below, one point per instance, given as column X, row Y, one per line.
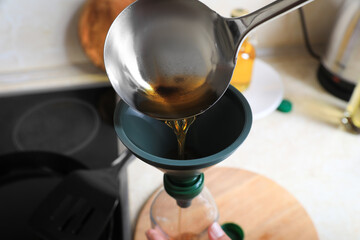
column 213, row 136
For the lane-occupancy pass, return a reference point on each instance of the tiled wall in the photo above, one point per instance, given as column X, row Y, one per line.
column 39, row 33
column 43, row 33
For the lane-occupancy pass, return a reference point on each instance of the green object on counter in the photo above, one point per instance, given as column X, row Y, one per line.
column 285, row 106
column 233, row 230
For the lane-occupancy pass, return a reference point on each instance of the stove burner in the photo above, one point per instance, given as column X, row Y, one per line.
column 62, row 125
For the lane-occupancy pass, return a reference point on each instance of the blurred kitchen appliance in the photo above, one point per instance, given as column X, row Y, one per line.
column 339, row 70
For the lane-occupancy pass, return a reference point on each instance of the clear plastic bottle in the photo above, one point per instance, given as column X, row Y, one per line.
column 177, row 223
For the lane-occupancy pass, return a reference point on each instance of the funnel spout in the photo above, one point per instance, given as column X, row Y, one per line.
column 183, row 203
column 183, row 189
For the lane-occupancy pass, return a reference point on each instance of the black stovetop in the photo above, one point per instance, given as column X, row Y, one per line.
column 77, row 123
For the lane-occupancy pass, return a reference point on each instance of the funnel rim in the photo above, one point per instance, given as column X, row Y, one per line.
column 188, row 164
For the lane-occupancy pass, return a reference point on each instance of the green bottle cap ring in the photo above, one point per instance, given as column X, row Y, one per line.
column 233, row 230
column 285, row 106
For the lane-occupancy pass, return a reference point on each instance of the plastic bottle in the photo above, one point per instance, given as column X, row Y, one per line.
column 183, row 223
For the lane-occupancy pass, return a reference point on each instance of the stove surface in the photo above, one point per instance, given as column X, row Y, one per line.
column 77, row 123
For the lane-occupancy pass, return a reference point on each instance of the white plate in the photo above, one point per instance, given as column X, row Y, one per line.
column 266, row 90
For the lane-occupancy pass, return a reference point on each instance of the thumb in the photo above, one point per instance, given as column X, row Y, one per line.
column 154, row 234
column 215, row 232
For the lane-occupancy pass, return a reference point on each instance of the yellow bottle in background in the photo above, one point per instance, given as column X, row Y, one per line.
column 351, row 119
column 244, row 64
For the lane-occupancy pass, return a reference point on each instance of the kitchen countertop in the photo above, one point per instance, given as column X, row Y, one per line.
column 57, row 78
column 305, row 151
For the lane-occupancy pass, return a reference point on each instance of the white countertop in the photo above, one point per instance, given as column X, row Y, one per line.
column 305, row 151
column 69, row 76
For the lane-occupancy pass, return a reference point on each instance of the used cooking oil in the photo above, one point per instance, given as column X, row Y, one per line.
column 169, row 95
column 180, row 128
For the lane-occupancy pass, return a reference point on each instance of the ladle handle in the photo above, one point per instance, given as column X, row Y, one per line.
column 247, row 23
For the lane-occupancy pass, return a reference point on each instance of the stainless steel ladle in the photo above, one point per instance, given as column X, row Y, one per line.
column 173, row 59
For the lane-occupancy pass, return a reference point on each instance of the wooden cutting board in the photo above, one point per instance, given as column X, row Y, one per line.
column 264, row 210
column 95, row 20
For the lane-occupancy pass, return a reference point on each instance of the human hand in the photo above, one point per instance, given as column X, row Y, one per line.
column 215, row 232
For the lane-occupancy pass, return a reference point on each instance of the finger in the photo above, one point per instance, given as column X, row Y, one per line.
column 153, row 234
column 215, row 232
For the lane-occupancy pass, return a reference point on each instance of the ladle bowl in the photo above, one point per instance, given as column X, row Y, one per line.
column 213, row 136
column 172, row 59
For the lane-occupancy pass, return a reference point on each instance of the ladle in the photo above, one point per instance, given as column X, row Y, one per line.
column 172, row 59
